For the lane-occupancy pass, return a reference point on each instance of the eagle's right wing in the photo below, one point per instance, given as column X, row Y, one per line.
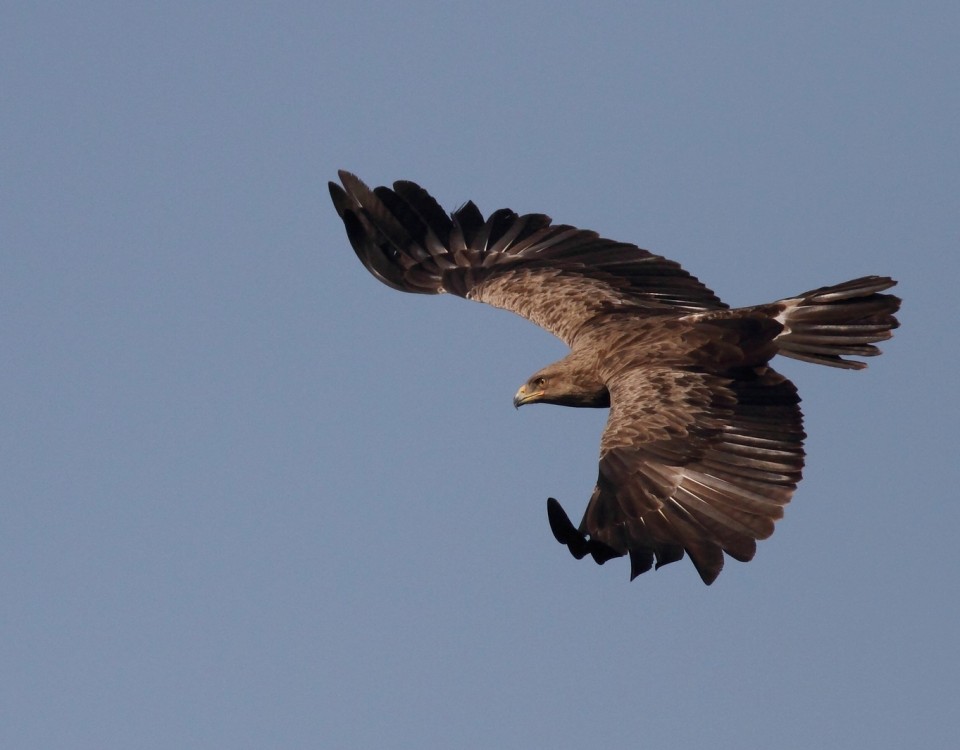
column 556, row 276
column 690, row 462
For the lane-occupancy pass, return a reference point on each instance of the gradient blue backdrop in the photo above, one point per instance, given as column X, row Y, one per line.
column 251, row 498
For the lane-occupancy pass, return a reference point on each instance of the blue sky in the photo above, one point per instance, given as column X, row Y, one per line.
column 253, row 498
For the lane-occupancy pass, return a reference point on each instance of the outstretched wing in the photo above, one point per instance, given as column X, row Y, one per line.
column 557, row 276
column 690, row 462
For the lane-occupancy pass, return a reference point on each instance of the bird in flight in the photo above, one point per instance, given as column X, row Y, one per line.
column 703, row 446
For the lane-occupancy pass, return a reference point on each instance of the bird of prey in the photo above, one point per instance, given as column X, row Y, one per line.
column 703, row 446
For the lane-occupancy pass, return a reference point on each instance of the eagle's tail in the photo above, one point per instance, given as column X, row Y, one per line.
column 825, row 324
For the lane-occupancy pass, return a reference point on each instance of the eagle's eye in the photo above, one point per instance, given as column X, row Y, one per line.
column 539, row 382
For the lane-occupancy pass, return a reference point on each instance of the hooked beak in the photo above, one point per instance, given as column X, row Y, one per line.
column 525, row 397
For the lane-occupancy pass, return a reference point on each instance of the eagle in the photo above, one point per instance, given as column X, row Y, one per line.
column 703, row 446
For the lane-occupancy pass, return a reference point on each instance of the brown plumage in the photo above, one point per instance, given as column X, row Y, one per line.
column 704, row 443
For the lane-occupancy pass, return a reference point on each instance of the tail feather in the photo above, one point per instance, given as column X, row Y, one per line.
column 827, row 324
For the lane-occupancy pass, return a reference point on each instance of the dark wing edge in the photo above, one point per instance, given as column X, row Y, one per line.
column 407, row 241
column 713, row 478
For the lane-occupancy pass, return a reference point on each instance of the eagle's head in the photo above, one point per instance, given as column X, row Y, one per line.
column 563, row 384
column 534, row 390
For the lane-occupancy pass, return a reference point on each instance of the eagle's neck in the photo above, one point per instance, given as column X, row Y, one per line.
column 575, row 381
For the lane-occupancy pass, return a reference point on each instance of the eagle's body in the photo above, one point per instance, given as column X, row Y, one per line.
column 704, row 443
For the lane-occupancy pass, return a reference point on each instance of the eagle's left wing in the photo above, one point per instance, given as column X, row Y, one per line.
column 556, row 276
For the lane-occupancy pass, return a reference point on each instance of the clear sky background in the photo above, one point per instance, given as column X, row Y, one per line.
column 252, row 498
